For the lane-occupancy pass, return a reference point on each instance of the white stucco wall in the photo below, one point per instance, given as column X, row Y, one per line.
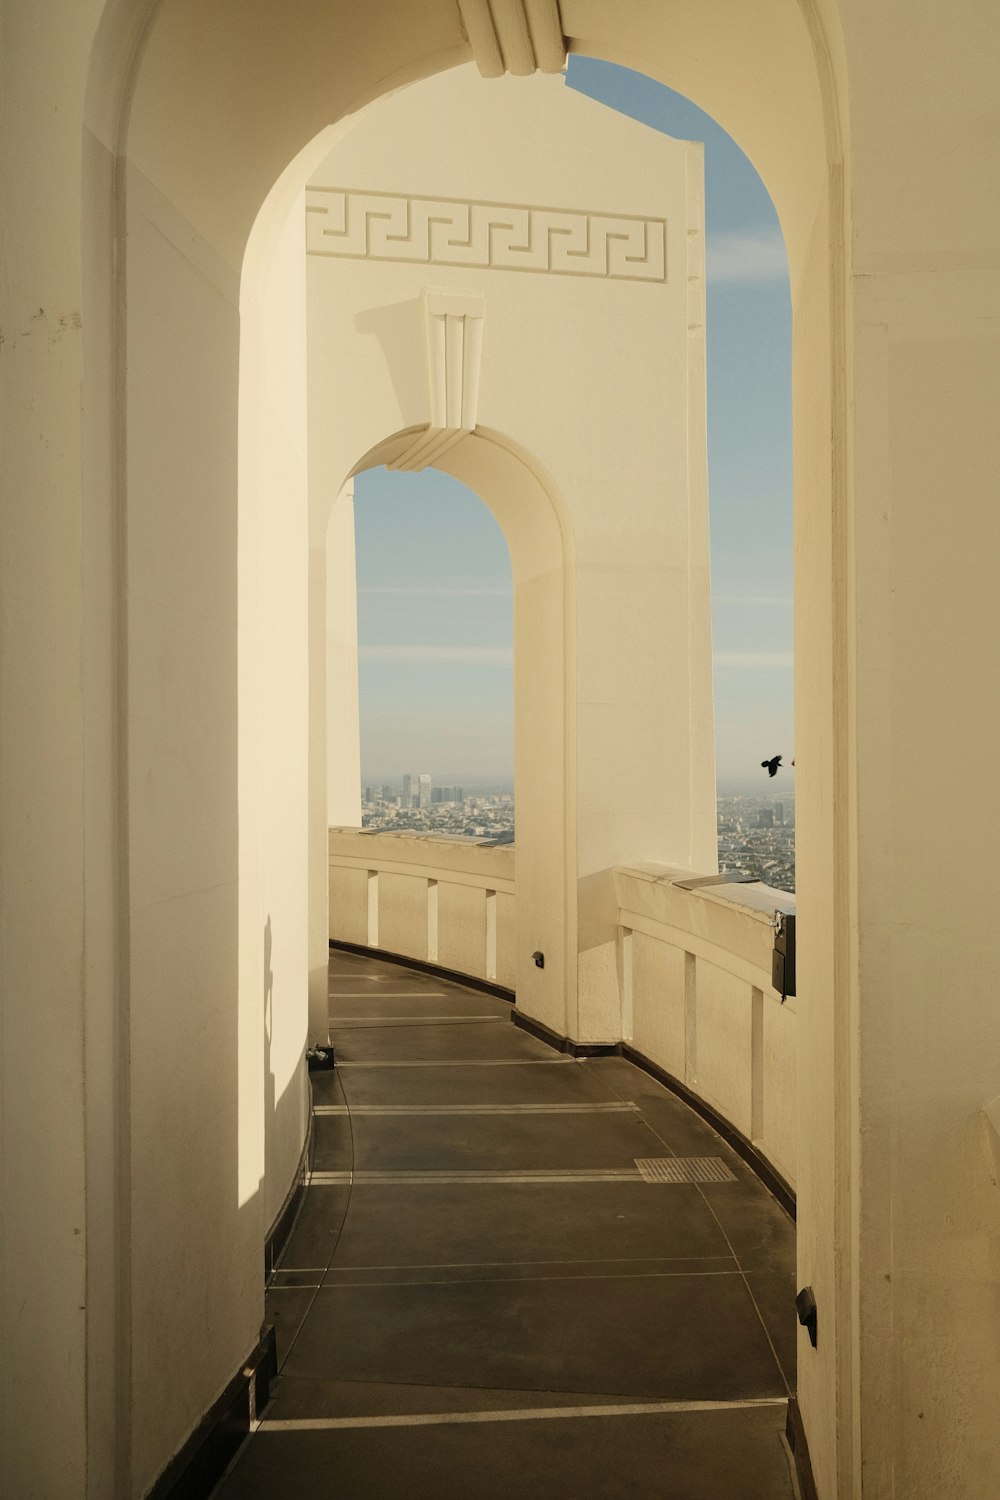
column 589, row 306
column 274, row 730
column 461, row 928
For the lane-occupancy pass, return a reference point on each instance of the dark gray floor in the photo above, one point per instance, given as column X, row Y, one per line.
column 481, row 1297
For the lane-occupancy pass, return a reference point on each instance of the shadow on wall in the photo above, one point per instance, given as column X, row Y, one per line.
column 597, row 909
column 280, row 1111
column 399, row 328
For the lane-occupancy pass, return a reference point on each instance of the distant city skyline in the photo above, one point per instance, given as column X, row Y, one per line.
column 435, row 615
column 469, row 786
column 755, row 823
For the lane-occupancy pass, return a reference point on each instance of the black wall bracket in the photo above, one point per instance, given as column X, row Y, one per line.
column 805, row 1306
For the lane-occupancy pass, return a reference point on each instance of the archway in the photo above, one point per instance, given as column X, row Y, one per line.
column 260, row 102
column 531, row 515
column 435, row 639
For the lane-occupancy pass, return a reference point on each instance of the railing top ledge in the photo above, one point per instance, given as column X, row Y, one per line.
column 755, row 899
column 409, row 851
column 462, row 841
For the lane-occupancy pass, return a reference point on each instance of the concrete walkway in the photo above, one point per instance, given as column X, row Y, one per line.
column 484, row 1298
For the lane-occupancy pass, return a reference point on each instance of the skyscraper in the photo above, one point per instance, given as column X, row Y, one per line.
column 425, row 790
column 407, row 791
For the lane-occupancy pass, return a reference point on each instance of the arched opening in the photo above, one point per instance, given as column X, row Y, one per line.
column 185, row 248
column 531, row 517
column 435, row 657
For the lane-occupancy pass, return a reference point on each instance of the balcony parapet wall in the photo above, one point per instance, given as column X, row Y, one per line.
column 697, row 999
column 441, row 901
column 695, row 965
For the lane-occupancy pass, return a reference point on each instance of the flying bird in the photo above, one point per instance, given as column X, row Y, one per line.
column 771, row 766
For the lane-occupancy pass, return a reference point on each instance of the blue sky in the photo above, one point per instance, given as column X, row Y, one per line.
column 435, row 625
column 434, row 594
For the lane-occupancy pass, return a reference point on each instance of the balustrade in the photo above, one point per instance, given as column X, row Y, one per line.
column 694, row 964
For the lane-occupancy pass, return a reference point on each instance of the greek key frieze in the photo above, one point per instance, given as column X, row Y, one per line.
column 497, row 236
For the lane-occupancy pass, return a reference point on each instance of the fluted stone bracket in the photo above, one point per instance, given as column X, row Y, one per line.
column 454, row 328
column 514, row 36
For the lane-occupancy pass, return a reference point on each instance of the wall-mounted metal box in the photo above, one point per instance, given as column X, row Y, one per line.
column 783, row 956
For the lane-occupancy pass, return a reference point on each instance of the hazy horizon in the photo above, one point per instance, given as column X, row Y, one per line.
column 505, row 782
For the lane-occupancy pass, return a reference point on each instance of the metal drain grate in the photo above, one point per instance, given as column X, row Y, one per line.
column 684, row 1169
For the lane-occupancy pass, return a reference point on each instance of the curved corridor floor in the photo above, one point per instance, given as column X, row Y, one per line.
column 482, row 1295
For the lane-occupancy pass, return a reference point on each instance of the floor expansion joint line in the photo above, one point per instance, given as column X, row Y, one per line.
column 474, row 1265
column 387, row 995
column 434, row 1176
column 476, row 1109
column 360, row 1286
column 525, row 1414
column 403, row 1023
column 634, row 1174
column 466, row 1062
